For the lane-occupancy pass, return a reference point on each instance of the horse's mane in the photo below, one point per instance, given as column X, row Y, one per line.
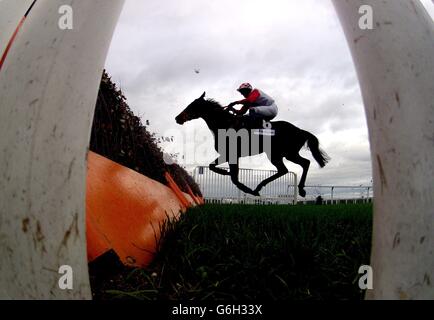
column 217, row 108
column 214, row 104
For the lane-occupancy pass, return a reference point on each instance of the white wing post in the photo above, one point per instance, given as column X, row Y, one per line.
column 395, row 66
column 48, row 89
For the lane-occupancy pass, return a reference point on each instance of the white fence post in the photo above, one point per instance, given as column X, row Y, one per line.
column 48, row 89
column 11, row 13
column 395, row 66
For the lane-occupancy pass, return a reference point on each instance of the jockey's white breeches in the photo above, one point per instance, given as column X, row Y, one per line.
column 266, row 112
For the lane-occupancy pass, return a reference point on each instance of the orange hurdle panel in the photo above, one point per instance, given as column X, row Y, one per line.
column 124, row 211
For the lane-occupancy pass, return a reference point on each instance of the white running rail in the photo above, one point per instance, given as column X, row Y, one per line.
column 217, row 188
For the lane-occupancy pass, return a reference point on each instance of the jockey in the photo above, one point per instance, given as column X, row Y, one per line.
column 260, row 105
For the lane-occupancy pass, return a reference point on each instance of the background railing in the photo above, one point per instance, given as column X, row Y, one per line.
column 337, row 194
column 218, row 188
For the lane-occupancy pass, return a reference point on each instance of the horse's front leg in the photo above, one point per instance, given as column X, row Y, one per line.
column 213, row 166
column 281, row 171
column 234, row 170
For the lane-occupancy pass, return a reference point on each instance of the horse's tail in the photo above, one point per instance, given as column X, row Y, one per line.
column 320, row 156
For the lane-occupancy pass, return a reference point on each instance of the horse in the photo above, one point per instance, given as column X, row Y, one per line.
column 285, row 140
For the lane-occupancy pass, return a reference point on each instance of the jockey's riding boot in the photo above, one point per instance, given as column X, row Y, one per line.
column 256, row 123
column 247, row 122
column 237, row 123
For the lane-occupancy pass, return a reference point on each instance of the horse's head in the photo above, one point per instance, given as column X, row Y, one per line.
column 193, row 111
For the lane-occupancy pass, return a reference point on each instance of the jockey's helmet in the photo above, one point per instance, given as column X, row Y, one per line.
column 245, row 86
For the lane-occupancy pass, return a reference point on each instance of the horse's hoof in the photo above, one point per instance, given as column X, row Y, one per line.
column 302, row 193
column 256, row 193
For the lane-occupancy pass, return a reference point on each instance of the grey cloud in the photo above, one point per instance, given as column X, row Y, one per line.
column 298, row 57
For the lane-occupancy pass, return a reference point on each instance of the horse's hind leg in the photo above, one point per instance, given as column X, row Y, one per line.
column 304, row 163
column 213, row 166
column 281, row 171
column 234, row 169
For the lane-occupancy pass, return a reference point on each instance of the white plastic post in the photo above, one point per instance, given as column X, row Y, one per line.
column 11, row 12
column 395, row 66
column 48, row 88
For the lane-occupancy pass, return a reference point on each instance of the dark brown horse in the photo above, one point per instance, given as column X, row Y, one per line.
column 284, row 141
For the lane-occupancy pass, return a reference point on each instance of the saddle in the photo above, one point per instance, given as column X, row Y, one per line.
column 246, row 122
column 258, row 126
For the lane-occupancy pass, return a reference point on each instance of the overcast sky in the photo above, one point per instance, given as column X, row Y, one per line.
column 293, row 50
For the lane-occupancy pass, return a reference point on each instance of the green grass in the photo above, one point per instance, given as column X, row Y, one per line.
column 233, row 252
